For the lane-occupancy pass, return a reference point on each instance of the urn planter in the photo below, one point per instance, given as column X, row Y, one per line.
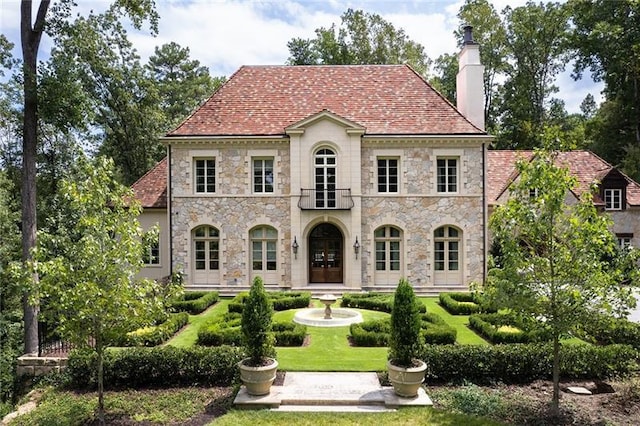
column 258, row 380
column 406, row 381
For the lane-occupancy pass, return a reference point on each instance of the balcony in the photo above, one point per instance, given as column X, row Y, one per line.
column 325, row 199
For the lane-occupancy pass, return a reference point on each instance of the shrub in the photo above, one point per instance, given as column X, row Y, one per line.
column 526, row 362
column 289, row 334
column 195, row 302
column 507, row 328
column 404, row 342
column 605, row 331
column 436, row 331
column 281, row 300
column 256, row 325
column 373, row 301
column 464, row 303
column 164, row 366
column 226, row 331
column 376, row 333
column 158, row 334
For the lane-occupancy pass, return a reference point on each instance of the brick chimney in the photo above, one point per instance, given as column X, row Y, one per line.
column 469, row 81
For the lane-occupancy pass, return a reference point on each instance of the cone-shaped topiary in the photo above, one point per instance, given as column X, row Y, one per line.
column 404, row 344
column 256, row 326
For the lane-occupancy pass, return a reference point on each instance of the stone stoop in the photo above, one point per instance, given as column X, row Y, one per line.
column 337, row 392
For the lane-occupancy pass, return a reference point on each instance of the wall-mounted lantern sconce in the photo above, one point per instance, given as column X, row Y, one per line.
column 356, row 247
column 295, row 246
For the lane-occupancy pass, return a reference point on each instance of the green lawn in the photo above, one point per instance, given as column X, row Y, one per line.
column 466, row 336
column 189, row 336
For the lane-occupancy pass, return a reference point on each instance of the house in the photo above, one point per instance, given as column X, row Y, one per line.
column 617, row 194
column 325, row 179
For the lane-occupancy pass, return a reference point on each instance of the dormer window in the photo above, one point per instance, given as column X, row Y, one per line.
column 613, row 199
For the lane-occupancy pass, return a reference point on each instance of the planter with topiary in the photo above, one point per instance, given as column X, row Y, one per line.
column 406, row 370
column 258, row 370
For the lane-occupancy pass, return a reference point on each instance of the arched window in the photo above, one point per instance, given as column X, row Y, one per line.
column 264, row 249
column 206, row 248
column 387, row 248
column 447, row 255
column 325, row 178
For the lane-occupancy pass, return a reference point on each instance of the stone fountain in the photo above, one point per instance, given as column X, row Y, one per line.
column 327, row 317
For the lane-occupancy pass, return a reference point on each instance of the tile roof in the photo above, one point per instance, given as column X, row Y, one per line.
column 385, row 99
column 586, row 166
column 151, row 189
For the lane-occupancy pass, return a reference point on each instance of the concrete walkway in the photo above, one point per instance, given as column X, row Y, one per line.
column 330, row 392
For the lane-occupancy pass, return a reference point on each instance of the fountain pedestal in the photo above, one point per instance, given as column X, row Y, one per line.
column 327, row 300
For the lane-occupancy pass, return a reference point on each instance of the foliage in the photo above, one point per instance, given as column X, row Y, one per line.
column 373, row 301
column 155, row 335
column 508, row 328
column 404, row 342
column 226, row 330
column 526, row 362
column 464, row 303
column 95, row 261
column 281, row 300
column 195, row 302
column 554, row 253
column 604, row 330
column 433, row 330
column 256, row 325
column 160, row 367
column 362, row 38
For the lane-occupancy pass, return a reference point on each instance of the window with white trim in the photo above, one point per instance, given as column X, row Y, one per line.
column 613, row 199
column 387, row 240
column 151, row 251
column 446, row 249
column 204, row 175
column 263, row 248
column 624, row 240
column 388, row 175
column 206, row 248
column 262, row 175
column 447, row 175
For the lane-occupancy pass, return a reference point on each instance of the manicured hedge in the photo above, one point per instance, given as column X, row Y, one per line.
column 282, row 300
column 157, row 334
column 525, row 363
column 226, row 331
column 434, row 330
column 507, row 328
column 605, row 331
column 464, row 303
column 382, row 302
column 164, row 366
column 195, row 302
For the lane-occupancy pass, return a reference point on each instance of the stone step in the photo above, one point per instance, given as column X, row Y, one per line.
column 335, row 408
column 302, row 391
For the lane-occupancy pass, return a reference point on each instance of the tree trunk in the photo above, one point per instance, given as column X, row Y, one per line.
column 30, row 37
column 100, row 352
column 555, row 399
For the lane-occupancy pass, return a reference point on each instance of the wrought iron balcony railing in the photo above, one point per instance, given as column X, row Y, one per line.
column 325, row 199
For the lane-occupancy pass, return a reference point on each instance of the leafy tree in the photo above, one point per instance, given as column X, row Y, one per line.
column 444, row 80
column 31, row 31
column 183, row 84
column 606, row 36
column 95, row 262
column 553, row 263
column 362, row 38
column 537, row 44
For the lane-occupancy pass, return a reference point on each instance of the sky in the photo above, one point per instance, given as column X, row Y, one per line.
column 225, row 34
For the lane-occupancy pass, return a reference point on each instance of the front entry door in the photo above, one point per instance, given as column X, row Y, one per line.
column 325, row 264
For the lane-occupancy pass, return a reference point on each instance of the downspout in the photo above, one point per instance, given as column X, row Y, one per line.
column 484, row 215
column 169, row 210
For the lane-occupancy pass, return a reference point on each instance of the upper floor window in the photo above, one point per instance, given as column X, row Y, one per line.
column 388, row 252
column 205, row 175
column 624, row 240
column 263, row 175
column 263, row 248
column 613, row 199
column 533, row 193
column 325, row 178
column 206, row 249
column 387, row 175
column 151, row 253
column 447, row 175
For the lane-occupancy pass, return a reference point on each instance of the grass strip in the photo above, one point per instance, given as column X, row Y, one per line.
column 189, row 335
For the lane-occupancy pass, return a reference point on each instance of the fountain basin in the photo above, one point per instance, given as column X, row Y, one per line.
column 315, row 317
